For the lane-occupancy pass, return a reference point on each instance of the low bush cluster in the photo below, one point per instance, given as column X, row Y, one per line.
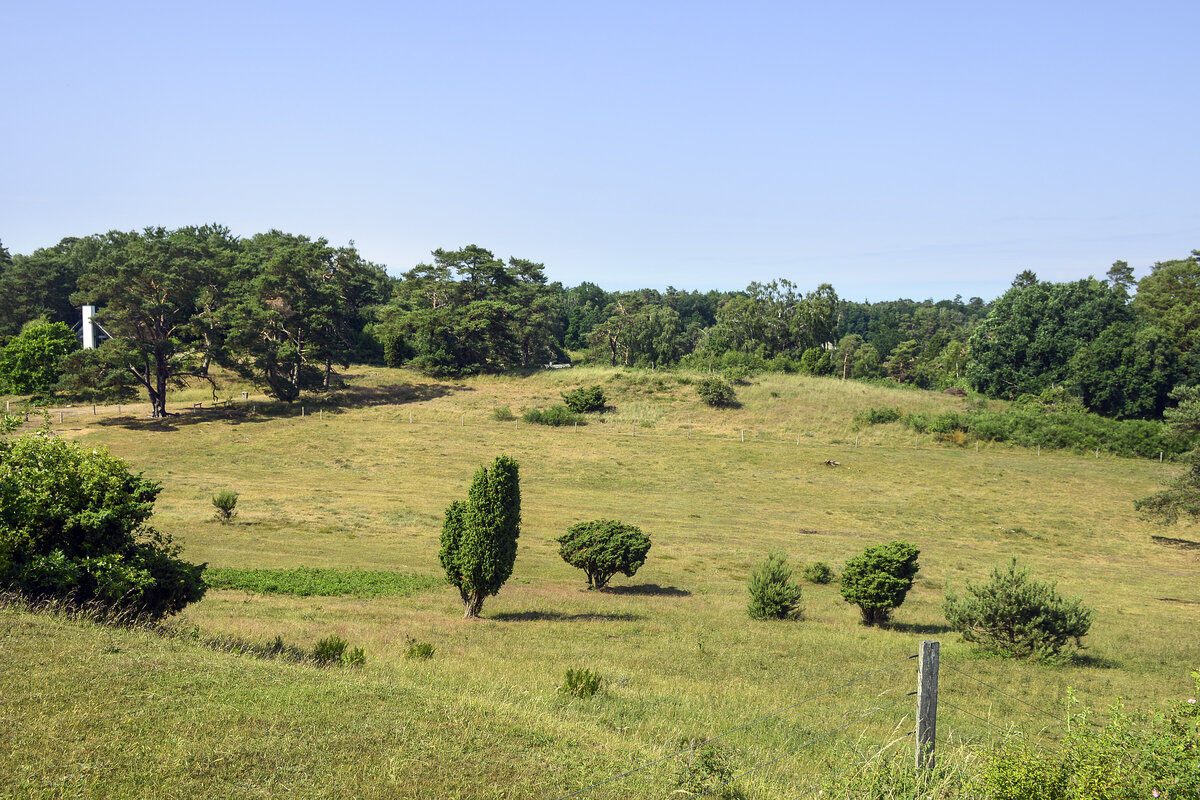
column 818, row 572
column 555, row 416
column 1035, row 425
column 320, row 582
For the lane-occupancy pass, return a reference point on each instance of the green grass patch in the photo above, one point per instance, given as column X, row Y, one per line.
column 317, row 582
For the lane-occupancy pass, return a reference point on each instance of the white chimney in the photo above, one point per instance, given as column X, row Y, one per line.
column 89, row 330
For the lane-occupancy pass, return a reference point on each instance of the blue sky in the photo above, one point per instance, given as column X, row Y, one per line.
column 921, row 149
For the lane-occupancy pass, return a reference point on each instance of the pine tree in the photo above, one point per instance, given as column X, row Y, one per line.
column 479, row 535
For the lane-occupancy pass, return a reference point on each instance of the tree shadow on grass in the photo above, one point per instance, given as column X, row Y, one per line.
column 554, row 616
column 923, row 628
column 244, row 411
column 647, row 590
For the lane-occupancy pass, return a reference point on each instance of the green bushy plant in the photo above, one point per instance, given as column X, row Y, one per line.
column 878, row 416
column 503, row 414
column 1016, row 616
column 585, row 400
column 773, row 592
column 555, row 416
column 330, row 650
column 581, row 682
column 878, row 580
column 602, row 548
column 818, row 572
column 1135, row 755
column 225, row 503
column 716, row 392
column 73, row 527
column 418, row 650
column 354, row 657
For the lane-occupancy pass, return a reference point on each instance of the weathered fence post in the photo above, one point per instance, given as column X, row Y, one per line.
column 927, row 690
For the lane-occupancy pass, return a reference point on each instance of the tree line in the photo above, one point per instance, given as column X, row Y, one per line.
column 285, row 311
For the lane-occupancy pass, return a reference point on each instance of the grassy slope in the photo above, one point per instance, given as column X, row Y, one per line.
column 363, row 487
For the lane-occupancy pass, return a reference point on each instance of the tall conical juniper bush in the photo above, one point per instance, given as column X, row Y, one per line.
column 479, row 535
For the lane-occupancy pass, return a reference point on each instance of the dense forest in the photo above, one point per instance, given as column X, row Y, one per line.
column 287, row 311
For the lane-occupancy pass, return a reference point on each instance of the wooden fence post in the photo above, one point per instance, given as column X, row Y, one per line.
column 927, row 690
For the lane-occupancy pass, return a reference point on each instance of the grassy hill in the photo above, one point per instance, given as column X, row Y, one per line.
column 360, row 482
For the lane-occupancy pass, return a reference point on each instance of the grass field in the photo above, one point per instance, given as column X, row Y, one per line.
column 360, row 481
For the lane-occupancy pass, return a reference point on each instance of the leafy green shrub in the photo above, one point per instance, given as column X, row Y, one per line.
column 602, row 548
column 878, row 580
column 502, row 414
column 818, row 572
column 330, row 650
column 73, row 528
column 1016, row 616
column 225, row 502
column 555, row 416
column 584, row 401
column 1140, row 755
column 707, row 769
column 716, row 392
column 581, row 682
column 773, row 593
column 419, row 650
column 354, row 657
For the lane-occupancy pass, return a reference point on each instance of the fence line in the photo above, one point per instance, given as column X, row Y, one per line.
column 981, row 682
column 860, row 763
column 723, row 734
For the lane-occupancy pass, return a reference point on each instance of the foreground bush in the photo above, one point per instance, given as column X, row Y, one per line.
column 602, row 548
column 1016, row 616
column 1134, row 756
column 878, row 580
column 73, row 528
column 773, row 593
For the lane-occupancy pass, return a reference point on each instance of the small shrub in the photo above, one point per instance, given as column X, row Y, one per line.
column 707, row 768
column 420, row 650
column 555, row 416
column 716, row 393
column 878, row 580
column 878, row 416
column 502, row 414
column 581, row 682
column 818, row 572
column 585, row 401
column 354, row 657
column 602, row 548
column 773, row 593
column 225, row 502
column 1016, row 616
column 330, row 650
